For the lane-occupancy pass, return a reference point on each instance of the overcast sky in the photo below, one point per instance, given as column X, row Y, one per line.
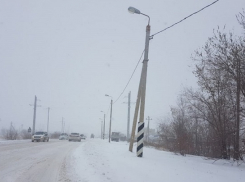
column 70, row 53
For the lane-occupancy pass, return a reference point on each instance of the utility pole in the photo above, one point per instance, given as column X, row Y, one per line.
column 34, row 115
column 63, row 125
column 148, row 128
column 110, row 123
column 48, row 121
column 101, row 129
column 104, row 128
column 129, row 97
column 141, row 92
column 110, row 117
column 128, row 118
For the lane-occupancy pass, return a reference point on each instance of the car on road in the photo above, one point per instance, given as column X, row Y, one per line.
column 75, row 137
column 40, row 136
column 83, row 136
column 63, row 136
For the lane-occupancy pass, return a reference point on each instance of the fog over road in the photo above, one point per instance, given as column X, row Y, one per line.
column 36, row 161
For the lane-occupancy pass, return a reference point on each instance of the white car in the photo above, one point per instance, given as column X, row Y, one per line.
column 74, row 137
column 63, row 136
column 83, row 136
column 40, row 136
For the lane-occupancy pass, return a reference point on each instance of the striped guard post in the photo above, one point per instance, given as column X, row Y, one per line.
column 140, row 139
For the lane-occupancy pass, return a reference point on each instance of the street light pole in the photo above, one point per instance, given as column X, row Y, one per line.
column 141, row 92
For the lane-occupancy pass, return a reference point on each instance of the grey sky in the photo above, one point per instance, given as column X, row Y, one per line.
column 71, row 53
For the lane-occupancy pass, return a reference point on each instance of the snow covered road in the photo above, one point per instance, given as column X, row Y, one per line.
column 24, row 161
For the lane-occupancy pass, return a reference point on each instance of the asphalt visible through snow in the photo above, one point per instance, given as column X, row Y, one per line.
column 28, row 161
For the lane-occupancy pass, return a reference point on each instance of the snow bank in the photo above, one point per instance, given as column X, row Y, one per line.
column 98, row 161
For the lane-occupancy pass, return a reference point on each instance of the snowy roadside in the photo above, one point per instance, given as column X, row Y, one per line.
column 99, row 161
column 2, row 141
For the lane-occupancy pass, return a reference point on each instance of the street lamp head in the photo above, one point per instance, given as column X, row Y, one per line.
column 107, row 95
column 133, row 10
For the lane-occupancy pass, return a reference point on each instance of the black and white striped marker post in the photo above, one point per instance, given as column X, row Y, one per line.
column 140, row 139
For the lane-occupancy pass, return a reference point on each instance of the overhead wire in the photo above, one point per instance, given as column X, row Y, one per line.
column 184, row 19
column 130, row 77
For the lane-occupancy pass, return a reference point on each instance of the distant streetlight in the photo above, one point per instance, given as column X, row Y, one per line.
column 110, row 117
column 142, row 89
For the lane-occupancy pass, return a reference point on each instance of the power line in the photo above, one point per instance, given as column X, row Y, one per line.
column 130, row 78
column 184, row 18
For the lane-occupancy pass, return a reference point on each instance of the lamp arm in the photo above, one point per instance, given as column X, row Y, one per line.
column 148, row 17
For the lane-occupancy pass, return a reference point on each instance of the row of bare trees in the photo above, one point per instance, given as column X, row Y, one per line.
column 210, row 121
column 13, row 134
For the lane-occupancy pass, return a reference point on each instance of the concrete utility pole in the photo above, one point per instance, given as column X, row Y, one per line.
column 129, row 97
column 128, row 117
column 110, row 123
column 110, row 117
column 63, row 125
column 48, row 121
column 101, row 129
column 148, row 128
column 34, row 115
column 104, row 128
column 142, row 89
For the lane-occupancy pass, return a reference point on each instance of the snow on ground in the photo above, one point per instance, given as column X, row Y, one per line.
column 3, row 141
column 100, row 161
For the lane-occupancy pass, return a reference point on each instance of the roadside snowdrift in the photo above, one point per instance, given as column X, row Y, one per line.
column 99, row 161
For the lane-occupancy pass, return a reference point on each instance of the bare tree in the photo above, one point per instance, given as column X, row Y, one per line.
column 11, row 133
